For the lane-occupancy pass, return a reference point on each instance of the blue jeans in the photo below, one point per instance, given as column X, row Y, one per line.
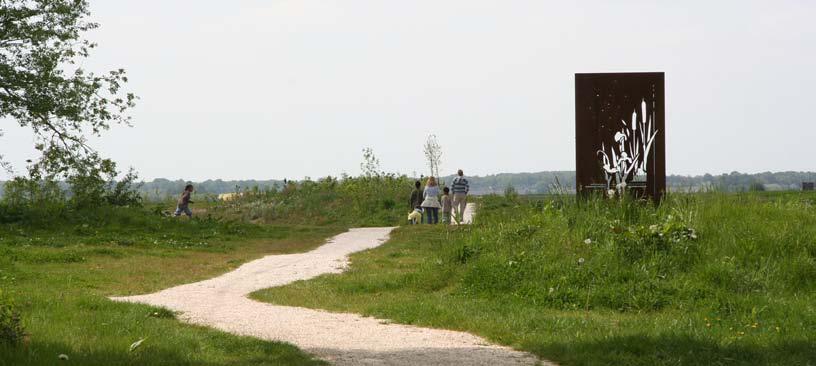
column 185, row 209
column 432, row 213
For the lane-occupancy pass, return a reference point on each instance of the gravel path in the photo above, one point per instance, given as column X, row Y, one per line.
column 342, row 339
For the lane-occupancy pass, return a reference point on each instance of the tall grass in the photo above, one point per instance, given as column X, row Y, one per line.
column 377, row 200
column 714, row 250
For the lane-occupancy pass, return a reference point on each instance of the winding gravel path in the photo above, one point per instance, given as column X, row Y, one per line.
column 342, row 339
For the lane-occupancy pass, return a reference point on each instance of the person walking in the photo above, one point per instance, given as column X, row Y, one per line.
column 460, row 188
column 416, row 199
column 183, row 204
column 431, row 203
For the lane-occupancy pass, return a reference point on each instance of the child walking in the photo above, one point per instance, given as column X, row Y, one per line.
column 184, row 202
column 446, row 206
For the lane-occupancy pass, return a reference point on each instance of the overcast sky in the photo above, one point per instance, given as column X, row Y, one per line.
column 258, row 89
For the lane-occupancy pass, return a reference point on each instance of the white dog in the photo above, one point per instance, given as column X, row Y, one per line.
column 415, row 217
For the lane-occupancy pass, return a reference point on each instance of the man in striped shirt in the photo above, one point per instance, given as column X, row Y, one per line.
column 460, row 190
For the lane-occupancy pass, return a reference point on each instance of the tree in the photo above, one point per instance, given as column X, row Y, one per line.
column 433, row 153
column 370, row 166
column 42, row 88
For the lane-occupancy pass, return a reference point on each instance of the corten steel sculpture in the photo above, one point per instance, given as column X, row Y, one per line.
column 620, row 134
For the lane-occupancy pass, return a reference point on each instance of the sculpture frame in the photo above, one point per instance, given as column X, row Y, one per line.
column 620, row 134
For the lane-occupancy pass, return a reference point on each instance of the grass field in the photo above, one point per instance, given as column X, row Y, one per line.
column 60, row 271
column 705, row 279
column 59, row 263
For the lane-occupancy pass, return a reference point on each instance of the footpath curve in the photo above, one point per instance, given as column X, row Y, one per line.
column 342, row 339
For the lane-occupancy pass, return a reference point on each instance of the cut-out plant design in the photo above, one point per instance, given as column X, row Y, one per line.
column 626, row 160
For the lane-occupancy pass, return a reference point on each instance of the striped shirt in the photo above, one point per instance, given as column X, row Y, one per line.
column 460, row 185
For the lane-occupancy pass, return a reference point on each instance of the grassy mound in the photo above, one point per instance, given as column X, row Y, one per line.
column 366, row 201
column 703, row 279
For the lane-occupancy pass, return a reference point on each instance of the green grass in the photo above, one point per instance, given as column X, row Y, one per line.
column 60, row 270
column 379, row 200
column 731, row 280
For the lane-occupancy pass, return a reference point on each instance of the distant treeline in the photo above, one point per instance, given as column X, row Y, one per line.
column 543, row 182
column 162, row 188
column 523, row 183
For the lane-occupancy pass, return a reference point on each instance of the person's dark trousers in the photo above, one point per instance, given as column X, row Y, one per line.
column 432, row 215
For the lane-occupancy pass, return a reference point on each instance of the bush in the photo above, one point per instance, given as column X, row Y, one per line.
column 356, row 201
column 11, row 327
column 42, row 197
column 23, row 192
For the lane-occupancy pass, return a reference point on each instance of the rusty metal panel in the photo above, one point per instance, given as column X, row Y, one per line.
column 620, row 134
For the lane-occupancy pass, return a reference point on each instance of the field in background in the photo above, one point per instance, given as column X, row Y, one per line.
column 704, row 279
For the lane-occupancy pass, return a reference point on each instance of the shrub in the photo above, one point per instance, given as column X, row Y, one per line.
column 11, row 327
column 359, row 201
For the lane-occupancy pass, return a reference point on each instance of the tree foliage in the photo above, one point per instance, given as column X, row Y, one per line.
column 43, row 88
column 370, row 167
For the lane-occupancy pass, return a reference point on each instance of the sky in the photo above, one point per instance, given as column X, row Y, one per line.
column 252, row 89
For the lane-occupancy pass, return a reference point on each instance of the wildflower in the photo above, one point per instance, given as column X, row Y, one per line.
column 708, row 325
column 581, row 260
column 136, row 344
column 588, row 241
column 63, row 357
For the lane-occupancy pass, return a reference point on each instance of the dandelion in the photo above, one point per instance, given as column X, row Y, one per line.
column 581, row 260
column 63, row 357
column 588, row 241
